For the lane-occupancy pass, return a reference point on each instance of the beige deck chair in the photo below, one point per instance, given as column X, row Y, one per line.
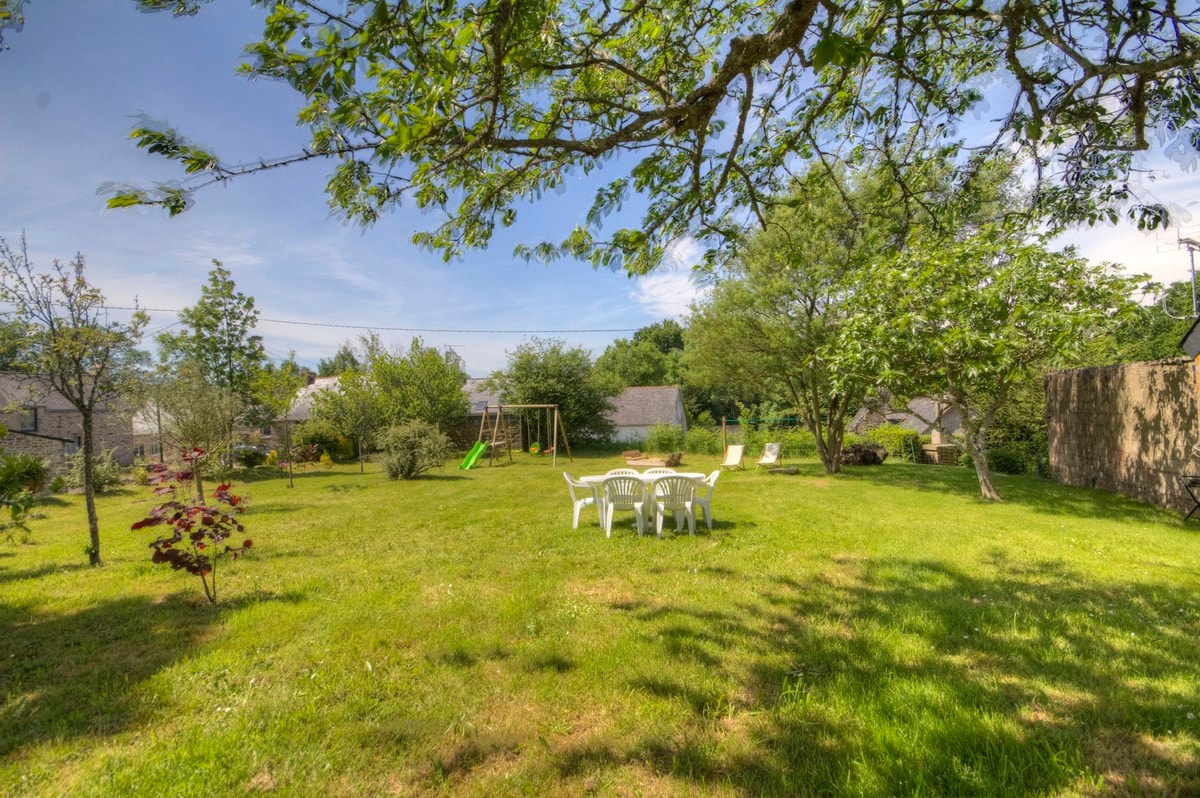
column 733, row 457
column 772, row 455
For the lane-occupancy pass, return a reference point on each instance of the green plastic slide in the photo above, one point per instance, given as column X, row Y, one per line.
column 473, row 455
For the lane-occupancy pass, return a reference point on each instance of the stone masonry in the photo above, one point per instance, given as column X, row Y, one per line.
column 1128, row 429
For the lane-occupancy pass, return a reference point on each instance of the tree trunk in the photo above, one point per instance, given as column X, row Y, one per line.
column 287, row 442
column 977, row 446
column 361, row 456
column 89, row 491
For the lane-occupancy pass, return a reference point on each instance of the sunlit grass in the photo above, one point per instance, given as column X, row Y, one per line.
column 879, row 632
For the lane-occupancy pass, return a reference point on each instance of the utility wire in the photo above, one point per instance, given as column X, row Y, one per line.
column 397, row 329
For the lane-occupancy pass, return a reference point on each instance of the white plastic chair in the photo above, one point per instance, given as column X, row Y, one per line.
column 624, row 493
column 704, row 502
column 676, row 495
column 622, row 472
column 733, row 457
column 586, row 496
column 771, row 456
column 659, row 471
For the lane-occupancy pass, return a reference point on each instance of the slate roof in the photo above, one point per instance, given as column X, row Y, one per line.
column 302, row 409
column 479, row 396
column 21, row 390
column 643, row 406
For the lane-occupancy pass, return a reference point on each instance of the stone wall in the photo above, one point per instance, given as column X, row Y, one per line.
column 1128, row 429
column 59, row 433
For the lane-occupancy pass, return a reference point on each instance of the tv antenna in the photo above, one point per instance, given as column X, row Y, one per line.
column 1190, row 242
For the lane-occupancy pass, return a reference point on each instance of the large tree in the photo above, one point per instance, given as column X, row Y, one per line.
column 217, row 336
column 780, row 304
column 545, row 371
column 475, row 108
column 424, row 383
column 968, row 319
column 355, row 408
column 70, row 342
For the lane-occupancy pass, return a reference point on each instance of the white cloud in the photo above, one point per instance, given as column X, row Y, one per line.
column 670, row 290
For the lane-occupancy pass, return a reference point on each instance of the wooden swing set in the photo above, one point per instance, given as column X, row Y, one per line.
column 492, row 415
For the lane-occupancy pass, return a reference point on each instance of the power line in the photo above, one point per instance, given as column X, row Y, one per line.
column 399, row 329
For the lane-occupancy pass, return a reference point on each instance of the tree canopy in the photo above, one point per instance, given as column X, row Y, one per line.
column 69, row 343
column 217, row 336
column 476, row 109
column 966, row 320
column 545, row 371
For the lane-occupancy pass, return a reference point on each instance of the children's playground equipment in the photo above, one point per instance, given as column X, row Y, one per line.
column 497, row 431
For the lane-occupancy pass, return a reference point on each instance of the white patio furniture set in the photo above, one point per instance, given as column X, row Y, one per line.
column 650, row 495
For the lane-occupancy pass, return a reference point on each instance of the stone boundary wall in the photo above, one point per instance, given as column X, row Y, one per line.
column 1129, row 429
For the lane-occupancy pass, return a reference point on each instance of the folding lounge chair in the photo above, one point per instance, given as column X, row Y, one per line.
column 772, row 455
column 733, row 457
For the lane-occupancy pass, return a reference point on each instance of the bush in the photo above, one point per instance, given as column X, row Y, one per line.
column 797, row 442
column 412, row 448
column 250, row 457
column 24, row 471
column 900, row 442
column 701, row 440
column 320, row 433
column 106, row 472
column 1006, row 460
column 665, row 438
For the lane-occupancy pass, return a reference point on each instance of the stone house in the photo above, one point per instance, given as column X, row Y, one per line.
column 41, row 422
column 638, row 409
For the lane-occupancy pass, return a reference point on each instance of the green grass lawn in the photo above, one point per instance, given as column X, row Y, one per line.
column 880, row 632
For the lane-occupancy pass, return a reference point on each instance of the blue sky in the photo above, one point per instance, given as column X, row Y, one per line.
column 79, row 73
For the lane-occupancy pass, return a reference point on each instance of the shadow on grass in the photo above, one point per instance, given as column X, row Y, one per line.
column 905, row 677
column 78, row 675
column 1042, row 495
column 8, row 575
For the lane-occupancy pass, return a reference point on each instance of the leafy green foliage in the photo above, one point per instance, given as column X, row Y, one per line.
column 344, row 359
column 424, row 383
column 249, row 456
column 631, row 363
column 412, row 448
column 217, row 336
column 1153, row 332
column 967, row 319
column 900, row 442
column 21, row 477
column 105, row 471
column 780, row 305
column 664, row 438
column 198, row 415
column 1006, row 460
column 354, row 411
column 198, row 531
column 24, row 471
column 472, row 109
column 702, row 440
column 544, row 371
column 324, row 435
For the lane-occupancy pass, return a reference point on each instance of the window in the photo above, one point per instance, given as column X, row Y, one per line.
column 28, row 419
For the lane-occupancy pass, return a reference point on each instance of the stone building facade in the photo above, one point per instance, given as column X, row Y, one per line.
column 42, row 423
column 1129, row 429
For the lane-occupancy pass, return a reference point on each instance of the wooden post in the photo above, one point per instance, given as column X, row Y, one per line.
column 563, row 427
column 724, row 440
